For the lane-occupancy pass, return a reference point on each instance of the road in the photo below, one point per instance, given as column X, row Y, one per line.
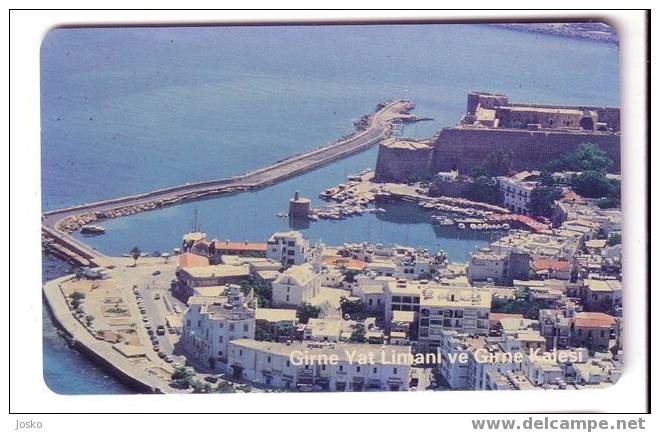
column 378, row 128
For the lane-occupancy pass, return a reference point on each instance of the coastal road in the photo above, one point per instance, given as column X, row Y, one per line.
column 378, row 127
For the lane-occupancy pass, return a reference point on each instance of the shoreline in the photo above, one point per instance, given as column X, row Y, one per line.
column 79, row 339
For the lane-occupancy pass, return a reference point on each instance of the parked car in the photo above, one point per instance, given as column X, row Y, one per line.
column 157, row 296
column 171, row 330
column 162, row 354
column 156, row 348
column 160, row 330
column 156, row 273
column 168, row 359
column 211, row 379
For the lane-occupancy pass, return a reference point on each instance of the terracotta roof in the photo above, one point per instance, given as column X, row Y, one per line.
column 187, row 260
column 594, row 320
column 572, row 196
column 240, row 246
column 553, row 265
column 348, row 263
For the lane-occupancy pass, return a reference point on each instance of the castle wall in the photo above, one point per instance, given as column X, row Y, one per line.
column 466, row 148
column 400, row 165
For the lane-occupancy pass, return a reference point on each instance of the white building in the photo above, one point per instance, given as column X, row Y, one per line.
column 517, row 193
column 553, row 246
column 291, row 248
column 323, row 366
column 485, row 265
column 464, row 309
column 298, row 284
column 212, row 322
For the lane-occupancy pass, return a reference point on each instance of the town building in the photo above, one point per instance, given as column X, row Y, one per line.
column 275, row 324
column 297, row 284
column 321, row 366
column 190, row 278
column 291, row 248
column 210, row 323
column 516, row 193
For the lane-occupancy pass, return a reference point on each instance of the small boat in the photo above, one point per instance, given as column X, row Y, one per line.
column 92, row 230
column 461, row 226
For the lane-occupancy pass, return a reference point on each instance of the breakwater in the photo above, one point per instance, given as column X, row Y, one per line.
column 58, row 225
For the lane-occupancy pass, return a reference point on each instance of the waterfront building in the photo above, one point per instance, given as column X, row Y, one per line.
column 516, row 193
column 210, row 323
column 537, row 245
column 333, row 329
column 322, row 366
column 371, row 290
column 291, row 248
column 298, row 284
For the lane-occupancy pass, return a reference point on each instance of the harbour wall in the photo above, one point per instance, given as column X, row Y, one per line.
column 465, row 148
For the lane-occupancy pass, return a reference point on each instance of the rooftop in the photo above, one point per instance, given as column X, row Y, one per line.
column 343, row 352
column 275, row 315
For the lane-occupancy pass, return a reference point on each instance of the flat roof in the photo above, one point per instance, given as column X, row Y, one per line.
column 275, row 314
column 214, row 271
column 343, row 352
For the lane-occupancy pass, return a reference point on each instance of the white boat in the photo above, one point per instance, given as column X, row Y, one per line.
column 461, row 226
column 92, row 229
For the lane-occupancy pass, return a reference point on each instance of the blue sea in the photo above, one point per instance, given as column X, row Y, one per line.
column 129, row 110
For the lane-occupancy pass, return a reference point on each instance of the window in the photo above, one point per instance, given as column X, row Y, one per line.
column 407, row 299
column 291, row 243
column 199, row 323
column 289, row 262
column 220, row 339
column 231, row 326
column 291, row 252
column 357, row 369
column 246, row 327
column 219, row 352
column 341, row 368
column 396, row 298
column 288, row 363
column 396, row 370
column 375, row 370
column 269, row 359
column 323, row 367
column 424, row 322
column 240, row 352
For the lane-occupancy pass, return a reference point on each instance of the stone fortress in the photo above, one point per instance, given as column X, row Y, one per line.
column 531, row 134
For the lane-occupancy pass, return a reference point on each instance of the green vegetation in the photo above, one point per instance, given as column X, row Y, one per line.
column 542, row 199
column 484, row 190
column 496, row 163
column 135, row 253
column 77, row 295
column 262, row 291
column 359, row 334
column 614, row 239
column 587, row 156
column 353, row 308
column 200, row 387
column 521, row 304
column 225, row 388
column 307, row 311
column 349, row 275
column 89, row 319
column 594, row 184
column 181, row 378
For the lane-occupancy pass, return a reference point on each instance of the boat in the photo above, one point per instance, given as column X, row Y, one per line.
column 92, row 230
column 461, row 225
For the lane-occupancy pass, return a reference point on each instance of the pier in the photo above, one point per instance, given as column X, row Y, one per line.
column 57, row 225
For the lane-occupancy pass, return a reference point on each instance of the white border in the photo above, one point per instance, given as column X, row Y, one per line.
column 29, row 393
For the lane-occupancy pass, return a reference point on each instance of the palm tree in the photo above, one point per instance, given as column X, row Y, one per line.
column 135, row 253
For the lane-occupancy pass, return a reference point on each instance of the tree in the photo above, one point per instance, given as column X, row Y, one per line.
column 542, row 199
column 498, row 163
column 593, row 184
column 135, row 253
column 614, row 239
column 349, row 276
column 358, row 335
column 307, row 311
column 77, row 295
column 263, row 291
column 77, row 271
column 484, row 190
column 587, row 156
column 354, row 308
